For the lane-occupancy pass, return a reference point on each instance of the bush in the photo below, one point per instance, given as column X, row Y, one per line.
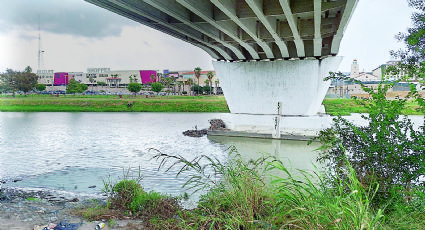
column 197, row 89
column 40, row 87
column 134, row 87
column 184, row 92
column 157, row 87
column 124, row 193
column 206, row 89
column 387, row 151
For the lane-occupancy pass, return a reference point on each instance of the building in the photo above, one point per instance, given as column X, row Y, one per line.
column 380, row 71
column 362, row 76
column 61, row 78
column 117, row 78
column 355, row 69
column 45, row 77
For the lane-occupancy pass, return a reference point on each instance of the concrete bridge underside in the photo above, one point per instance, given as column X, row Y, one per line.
column 266, row 51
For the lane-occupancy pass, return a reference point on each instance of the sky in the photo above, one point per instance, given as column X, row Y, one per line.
column 76, row 35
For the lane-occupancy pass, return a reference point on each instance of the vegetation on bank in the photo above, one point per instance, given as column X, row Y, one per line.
column 345, row 107
column 109, row 103
column 240, row 196
column 112, row 103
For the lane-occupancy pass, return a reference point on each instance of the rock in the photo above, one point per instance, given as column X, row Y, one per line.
column 74, row 200
column 93, row 186
column 217, row 124
column 195, row 133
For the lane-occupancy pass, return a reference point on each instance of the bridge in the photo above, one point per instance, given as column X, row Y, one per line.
column 266, row 51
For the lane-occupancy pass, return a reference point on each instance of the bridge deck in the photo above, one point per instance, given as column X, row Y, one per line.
column 245, row 29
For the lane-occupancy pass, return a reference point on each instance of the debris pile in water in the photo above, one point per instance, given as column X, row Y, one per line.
column 216, row 124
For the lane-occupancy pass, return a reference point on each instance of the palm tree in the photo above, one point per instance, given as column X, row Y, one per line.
column 91, row 79
column 189, row 82
column 152, row 78
column 180, row 83
column 216, row 86
column 28, row 69
column 158, row 76
column 210, row 76
column 197, row 71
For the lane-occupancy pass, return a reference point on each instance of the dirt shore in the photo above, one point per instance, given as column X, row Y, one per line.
column 23, row 210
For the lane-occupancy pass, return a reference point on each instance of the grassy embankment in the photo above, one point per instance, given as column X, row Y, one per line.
column 348, row 106
column 70, row 103
column 109, row 103
column 241, row 198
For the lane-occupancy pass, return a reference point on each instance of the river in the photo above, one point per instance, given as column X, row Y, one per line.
column 76, row 152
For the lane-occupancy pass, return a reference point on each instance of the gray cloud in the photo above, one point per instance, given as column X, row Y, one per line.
column 73, row 17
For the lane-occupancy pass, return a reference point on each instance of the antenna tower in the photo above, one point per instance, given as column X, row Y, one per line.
column 40, row 52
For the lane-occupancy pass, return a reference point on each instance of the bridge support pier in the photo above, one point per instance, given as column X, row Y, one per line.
column 253, row 90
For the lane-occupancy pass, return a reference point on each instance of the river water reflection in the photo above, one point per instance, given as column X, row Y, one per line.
column 76, row 151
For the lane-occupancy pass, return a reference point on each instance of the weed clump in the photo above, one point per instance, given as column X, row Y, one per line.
column 124, row 193
column 130, row 199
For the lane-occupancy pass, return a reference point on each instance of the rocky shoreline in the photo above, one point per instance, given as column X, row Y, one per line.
column 33, row 209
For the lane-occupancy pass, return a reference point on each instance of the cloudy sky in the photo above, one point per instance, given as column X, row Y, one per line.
column 77, row 35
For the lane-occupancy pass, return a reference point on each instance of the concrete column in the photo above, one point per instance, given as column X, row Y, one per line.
column 257, row 87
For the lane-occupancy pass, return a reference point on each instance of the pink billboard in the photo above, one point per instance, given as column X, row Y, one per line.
column 146, row 76
column 61, row 79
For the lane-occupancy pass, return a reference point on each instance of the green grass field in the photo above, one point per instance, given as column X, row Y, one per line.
column 112, row 103
column 80, row 103
column 348, row 106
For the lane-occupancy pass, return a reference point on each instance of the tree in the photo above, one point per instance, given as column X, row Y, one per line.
column 101, row 83
column 387, row 151
column 152, row 78
column 158, row 77
column 206, row 89
column 216, row 86
column 14, row 81
column 91, row 79
column 40, row 87
column 197, row 88
column 9, row 81
column 75, row 87
column 168, row 81
column 415, row 37
column 134, row 87
column 189, row 82
column 157, row 87
column 28, row 69
column 210, row 76
column 198, row 71
column 180, row 84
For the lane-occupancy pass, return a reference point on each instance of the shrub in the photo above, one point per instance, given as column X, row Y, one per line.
column 157, row 87
column 206, row 89
column 197, row 89
column 40, row 87
column 134, row 87
column 387, row 151
column 184, row 92
column 124, row 193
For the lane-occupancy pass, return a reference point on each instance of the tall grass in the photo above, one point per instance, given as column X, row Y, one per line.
column 312, row 202
column 241, row 199
column 246, row 194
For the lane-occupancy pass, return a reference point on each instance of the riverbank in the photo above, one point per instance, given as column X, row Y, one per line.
column 141, row 103
column 113, row 103
column 29, row 209
column 345, row 107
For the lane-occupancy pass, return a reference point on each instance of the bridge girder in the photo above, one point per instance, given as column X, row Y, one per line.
column 245, row 29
